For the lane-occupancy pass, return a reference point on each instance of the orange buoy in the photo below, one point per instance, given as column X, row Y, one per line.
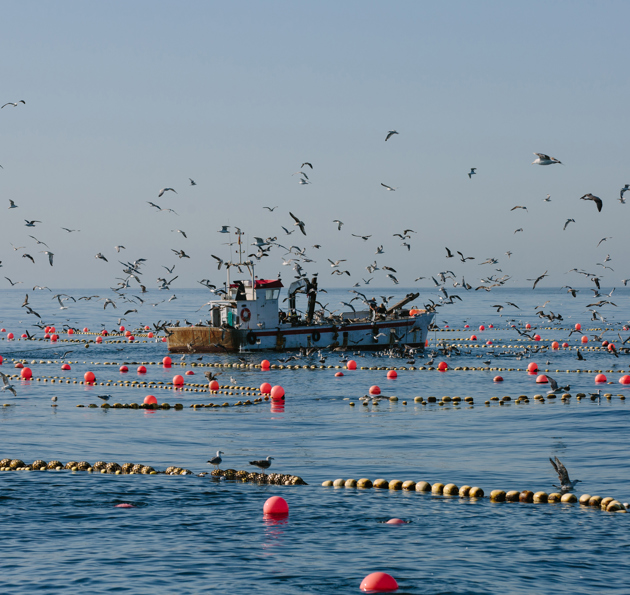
column 584, row 339
column 555, row 345
column 150, row 335
column 150, row 400
column 66, row 367
column 375, row 390
column 611, row 347
column 604, row 343
column 601, row 378
column 442, row 366
column 277, row 392
column 532, row 367
column 578, row 326
column 89, row 377
column 189, row 373
column 265, row 388
column 123, row 369
column 26, row 373
column 178, row 380
column 276, row 505
column 127, row 333
column 542, row 379
column 142, row 370
column 167, row 362
column 265, row 365
column 214, row 385
column 379, row 582
column 392, row 374
column 498, row 378
column 351, row 365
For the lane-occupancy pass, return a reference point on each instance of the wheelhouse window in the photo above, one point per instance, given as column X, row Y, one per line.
column 272, row 294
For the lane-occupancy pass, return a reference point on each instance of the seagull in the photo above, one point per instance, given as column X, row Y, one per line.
column 7, row 385
column 538, row 279
column 621, row 199
column 603, row 240
column 50, row 256
column 263, row 464
column 14, row 104
column 595, row 199
column 518, row 207
column 555, row 388
column 13, row 282
column 299, row 223
column 29, row 257
column 336, row 262
column 217, row 460
column 70, row 230
column 390, row 134
column 31, row 223
column 566, row 485
column 99, row 255
column 271, row 209
column 547, row 198
column 306, row 163
column 449, row 254
column 388, row 187
column 180, row 231
column 472, row 172
column 119, row 248
column 545, row 160
column 567, row 223
column 104, row 397
column 519, row 229
column 192, row 182
column 393, row 278
column 166, row 190
column 339, row 224
column 180, row 253
column 224, row 229
column 12, row 205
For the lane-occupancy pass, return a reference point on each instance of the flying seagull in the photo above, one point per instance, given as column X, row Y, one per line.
column 14, row 104
column 567, row 223
column 538, row 279
column 595, row 199
column 192, row 182
column 545, row 160
column 166, row 190
column 566, row 485
column 7, row 385
column 387, row 187
column 390, row 134
column 472, row 172
column 625, row 189
column 12, row 205
column 299, row 223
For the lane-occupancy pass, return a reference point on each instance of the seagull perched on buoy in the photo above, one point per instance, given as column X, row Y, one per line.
column 217, row 460
column 566, row 485
column 262, row 464
column 545, row 160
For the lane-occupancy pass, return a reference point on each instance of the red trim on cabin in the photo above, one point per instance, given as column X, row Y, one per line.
column 264, row 284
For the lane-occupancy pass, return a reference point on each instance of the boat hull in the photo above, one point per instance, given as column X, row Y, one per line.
column 411, row 331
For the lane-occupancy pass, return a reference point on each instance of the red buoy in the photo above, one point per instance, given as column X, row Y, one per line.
column 178, row 380
column 86, row 330
column 150, row 335
column 339, row 374
column 624, row 379
column 214, row 385
column 542, row 379
column 276, row 505
column 532, row 367
column 601, row 378
column 265, row 365
column 150, row 400
column 528, row 326
column 578, row 326
column 123, row 369
column 584, row 339
column 19, row 365
column 565, row 344
column 70, row 331
column 146, row 328
column 142, row 370
column 482, row 328
column 536, row 337
column 265, row 388
column 396, row 522
column 189, row 373
column 555, row 345
column 167, row 362
column 351, row 365
column 99, row 339
column 442, row 366
column 89, row 377
column 392, row 374
column 277, row 392
column 10, row 336
column 375, row 390
column 466, row 326
column 498, row 378
column 26, row 373
column 1, row 360
column 379, row 582
column 122, row 329
column 473, row 337
column 65, row 367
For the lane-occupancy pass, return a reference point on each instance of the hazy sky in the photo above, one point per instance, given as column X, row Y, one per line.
column 125, row 98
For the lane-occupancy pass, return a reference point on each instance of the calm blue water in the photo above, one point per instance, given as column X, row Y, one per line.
column 60, row 531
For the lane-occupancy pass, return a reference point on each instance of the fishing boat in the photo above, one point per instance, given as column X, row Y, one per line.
column 248, row 317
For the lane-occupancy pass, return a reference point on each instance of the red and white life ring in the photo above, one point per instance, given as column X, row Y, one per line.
column 245, row 315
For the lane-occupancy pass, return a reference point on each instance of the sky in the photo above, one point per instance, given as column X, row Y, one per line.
column 124, row 99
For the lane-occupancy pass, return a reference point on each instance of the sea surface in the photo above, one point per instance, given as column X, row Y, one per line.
column 61, row 533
